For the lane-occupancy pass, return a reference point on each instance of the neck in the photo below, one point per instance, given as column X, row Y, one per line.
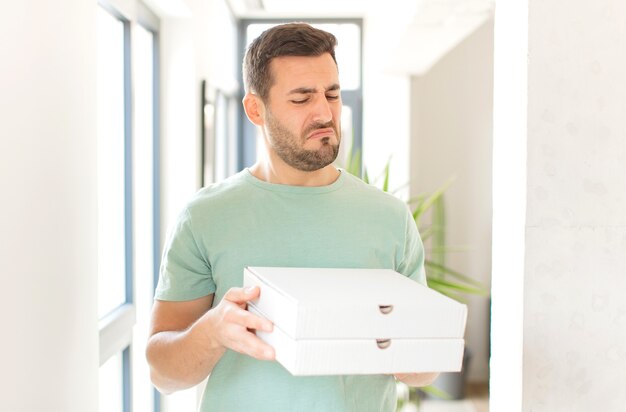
column 278, row 172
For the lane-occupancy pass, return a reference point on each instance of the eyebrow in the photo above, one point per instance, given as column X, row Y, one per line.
column 309, row 90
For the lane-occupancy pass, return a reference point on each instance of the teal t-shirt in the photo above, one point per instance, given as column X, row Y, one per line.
column 244, row 221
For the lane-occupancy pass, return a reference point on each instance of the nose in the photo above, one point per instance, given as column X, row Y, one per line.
column 322, row 112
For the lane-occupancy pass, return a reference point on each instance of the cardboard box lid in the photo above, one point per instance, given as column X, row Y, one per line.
column 311, row 303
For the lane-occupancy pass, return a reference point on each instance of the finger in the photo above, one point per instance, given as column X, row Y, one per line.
column 251, row 345
column 256, row 322
column 251, row 321
column 234, row 314
column 242, row 295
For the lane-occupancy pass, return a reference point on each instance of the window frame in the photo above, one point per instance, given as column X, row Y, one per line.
column 116, row 327
column 150, row 22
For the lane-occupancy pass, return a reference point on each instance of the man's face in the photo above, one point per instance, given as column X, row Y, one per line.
column 303, row 111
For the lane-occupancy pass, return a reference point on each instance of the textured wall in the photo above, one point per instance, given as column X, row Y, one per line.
column 575, row 275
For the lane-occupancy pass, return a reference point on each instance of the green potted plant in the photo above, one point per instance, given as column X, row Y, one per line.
column 439, row 276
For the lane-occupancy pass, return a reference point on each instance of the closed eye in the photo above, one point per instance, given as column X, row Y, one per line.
column 332, row 97
column 300, row 101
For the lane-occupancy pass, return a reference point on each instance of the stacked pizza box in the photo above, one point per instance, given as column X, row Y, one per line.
column 357, row 321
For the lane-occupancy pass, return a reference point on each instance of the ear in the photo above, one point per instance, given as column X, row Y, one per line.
column 254, row 108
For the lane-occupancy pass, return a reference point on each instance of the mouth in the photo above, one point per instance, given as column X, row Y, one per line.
column 321, row 133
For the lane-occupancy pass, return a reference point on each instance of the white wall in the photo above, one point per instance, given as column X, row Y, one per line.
column 49, row 344
column 575, row 269
column 451, row 132
column 201, row 45
column 48, row 177
column 386, row 94
column 509, row 204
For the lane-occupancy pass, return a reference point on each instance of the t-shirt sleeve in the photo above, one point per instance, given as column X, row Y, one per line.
column 412, row 263
column 185, row 272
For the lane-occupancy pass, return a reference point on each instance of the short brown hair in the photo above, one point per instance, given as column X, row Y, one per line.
column 291, row 39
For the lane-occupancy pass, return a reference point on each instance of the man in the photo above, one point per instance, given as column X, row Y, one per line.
column 293, row 209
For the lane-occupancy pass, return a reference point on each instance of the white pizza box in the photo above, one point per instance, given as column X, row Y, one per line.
column 312, row 303
column 308, row 357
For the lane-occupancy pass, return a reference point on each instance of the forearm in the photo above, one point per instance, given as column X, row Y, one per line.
column 417, row 379
column 181, row 359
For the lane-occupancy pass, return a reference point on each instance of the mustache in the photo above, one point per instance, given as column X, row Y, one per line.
column 315, row 126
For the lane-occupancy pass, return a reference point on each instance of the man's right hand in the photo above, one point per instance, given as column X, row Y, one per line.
column 188, row 338
column 232, row 326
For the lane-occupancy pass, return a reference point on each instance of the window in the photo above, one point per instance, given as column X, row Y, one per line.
column 111, row 384
column 115, row 308
column 218, row 145
column 128, row 198
column 111, row 164
column 349, row 59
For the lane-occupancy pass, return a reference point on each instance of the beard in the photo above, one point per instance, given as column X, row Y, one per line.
column 289, row 147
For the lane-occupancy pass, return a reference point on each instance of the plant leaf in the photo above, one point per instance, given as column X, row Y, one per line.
column 417, row 198
column 386, row 181
column 440, row 284
column 438, row 241
column 354, row 165
column 426, row 233
column 444, row 269
column 428, row 202
column 449, row 249
column 434, row 391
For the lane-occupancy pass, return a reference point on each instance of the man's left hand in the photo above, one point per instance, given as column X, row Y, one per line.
column 417, row 379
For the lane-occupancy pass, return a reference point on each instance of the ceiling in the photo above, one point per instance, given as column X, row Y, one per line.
column 272, row 8
column 439, row 9
column 436, row 26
